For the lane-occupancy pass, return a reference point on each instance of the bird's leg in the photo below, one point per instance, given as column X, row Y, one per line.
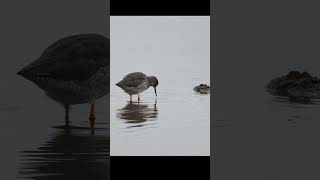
column 66, row 116
column 92, row 116
column 130, row 98
column 138, row 97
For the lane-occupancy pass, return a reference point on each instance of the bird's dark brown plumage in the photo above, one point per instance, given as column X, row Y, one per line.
column 132, row 80
column 76, row 57
column 73, row 70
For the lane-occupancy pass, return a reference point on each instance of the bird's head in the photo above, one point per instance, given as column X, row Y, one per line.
column 153, row 81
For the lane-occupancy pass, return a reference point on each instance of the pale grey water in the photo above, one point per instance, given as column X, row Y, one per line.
column 34, row 144
column 176, row 51
column 256, row 135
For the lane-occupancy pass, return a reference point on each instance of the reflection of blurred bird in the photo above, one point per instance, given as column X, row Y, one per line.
column 74, row 70
column 68, row 155
column 136, row 83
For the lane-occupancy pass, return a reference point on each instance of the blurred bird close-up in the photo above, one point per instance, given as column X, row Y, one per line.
column 73, row 70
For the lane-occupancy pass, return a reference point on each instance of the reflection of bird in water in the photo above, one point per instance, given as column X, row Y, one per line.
column 137, row 113
column 68, row 156
column 137, row 82
column 74, row 70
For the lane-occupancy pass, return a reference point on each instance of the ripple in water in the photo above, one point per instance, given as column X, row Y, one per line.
column 137, row 114
column 69, row 154
column 302, row 101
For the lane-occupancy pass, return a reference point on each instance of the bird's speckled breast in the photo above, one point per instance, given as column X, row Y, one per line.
column 77, row 92
column 136, row 90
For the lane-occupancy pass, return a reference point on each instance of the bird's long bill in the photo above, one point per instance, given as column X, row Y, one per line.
column 155, row 91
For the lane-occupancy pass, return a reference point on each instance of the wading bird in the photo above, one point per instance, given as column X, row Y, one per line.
column 73, row 70
column 136, row 83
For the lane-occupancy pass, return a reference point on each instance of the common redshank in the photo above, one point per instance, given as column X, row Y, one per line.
column 136, row 83
column 73, row 70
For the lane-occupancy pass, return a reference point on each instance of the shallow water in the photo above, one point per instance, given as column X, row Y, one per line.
column 257, row 135
column 176, row 51
column 38, row 146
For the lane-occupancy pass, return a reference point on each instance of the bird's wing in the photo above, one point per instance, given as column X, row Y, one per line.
column 64, row 68
column 80, row 45
column 73, row 58
column 133, row 79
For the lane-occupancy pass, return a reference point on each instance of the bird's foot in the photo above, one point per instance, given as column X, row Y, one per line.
column 92, row 116
column 92, row 119
column 67, row 123
column 66, row 116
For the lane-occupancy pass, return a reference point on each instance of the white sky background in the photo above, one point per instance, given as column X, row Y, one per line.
column 152, row 43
